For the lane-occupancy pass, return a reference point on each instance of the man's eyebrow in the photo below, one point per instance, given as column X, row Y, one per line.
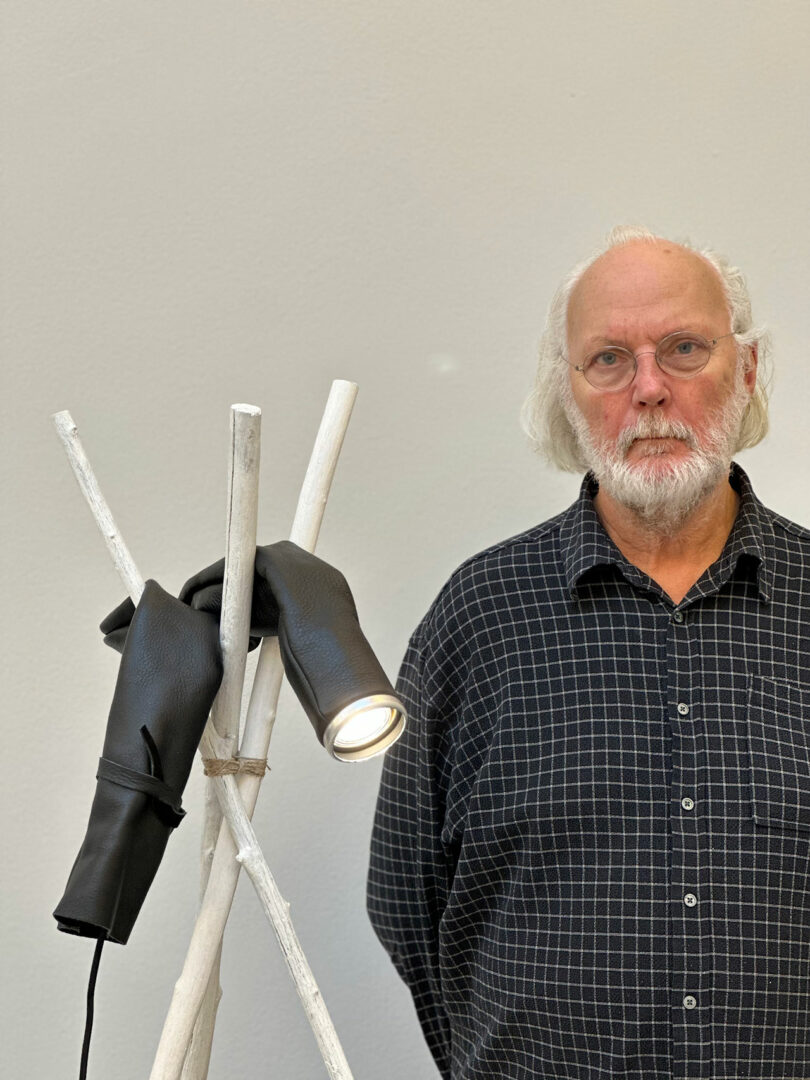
column 600, row 339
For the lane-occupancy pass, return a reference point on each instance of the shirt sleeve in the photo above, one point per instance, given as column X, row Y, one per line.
column 410, row 872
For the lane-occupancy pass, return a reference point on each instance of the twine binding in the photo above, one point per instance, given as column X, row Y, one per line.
column 231, row 766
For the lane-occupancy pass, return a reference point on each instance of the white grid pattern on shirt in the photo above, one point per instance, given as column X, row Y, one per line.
column 534, row 874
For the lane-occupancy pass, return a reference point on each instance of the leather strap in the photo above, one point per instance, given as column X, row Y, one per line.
column 171, row 802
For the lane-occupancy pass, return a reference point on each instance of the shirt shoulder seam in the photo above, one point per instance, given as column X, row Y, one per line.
column 789, row 526
column 527, row 536
column 533, row 534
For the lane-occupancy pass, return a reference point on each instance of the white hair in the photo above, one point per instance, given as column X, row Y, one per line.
column 543, row 415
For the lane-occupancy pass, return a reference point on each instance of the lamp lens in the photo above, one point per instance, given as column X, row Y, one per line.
column 364, row 728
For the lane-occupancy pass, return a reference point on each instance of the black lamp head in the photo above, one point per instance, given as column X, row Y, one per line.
column 327, row 658
column 329, row 663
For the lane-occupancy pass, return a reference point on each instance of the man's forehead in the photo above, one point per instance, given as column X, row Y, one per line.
column 644, row 281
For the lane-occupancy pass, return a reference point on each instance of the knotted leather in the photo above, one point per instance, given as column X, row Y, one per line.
column 169, row 674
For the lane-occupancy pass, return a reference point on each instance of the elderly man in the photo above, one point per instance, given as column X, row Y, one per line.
column 591, row 853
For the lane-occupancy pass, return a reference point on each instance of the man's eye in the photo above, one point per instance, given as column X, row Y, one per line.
column 605, row 359
column 685, row 348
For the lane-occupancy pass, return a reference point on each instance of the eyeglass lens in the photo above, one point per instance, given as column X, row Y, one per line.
column 681, row 355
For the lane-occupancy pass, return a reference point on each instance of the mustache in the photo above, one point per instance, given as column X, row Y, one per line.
column 655, row 427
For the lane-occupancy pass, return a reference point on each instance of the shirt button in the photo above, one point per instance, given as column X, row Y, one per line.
column 678, row 616
column 689, row 1002
column 687, row 803
column 683, row 709
column 690, row 899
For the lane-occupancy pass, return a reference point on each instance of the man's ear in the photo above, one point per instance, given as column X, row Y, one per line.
column 751, row 368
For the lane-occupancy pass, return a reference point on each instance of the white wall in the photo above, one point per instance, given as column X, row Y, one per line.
column 217, row 202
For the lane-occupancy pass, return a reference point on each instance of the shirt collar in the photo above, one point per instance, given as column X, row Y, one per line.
column 586, row 545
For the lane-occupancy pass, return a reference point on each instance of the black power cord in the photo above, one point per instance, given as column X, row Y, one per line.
column 88, row 1027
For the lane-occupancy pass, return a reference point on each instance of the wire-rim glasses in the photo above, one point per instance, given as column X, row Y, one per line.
column 683, row 355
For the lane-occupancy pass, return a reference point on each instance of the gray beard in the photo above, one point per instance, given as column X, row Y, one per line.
column 662, row 502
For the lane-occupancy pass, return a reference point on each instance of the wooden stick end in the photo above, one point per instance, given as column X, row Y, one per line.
column 64, row 422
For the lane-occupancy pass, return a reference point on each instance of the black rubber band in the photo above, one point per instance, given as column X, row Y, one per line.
column 88, row 1026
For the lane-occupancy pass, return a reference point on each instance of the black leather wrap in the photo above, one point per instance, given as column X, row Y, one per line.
column 169, row 674
column 308, row 604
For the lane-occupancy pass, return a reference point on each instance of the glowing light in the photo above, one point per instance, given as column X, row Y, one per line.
column 364, row 728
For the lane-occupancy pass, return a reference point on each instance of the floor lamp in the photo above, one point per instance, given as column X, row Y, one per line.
column 235, row 772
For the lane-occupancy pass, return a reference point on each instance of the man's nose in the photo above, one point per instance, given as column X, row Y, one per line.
column 650, row 385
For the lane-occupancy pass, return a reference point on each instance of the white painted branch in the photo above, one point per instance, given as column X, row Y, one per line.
column 198, row 1057
column 213, row 915
column 124, row 563
column 222, row 730
column 221, row 733
column 278, row 912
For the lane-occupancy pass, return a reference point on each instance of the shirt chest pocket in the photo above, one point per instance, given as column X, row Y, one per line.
column 779, row 753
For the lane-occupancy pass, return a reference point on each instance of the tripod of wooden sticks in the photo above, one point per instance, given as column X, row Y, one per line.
column 229, row 841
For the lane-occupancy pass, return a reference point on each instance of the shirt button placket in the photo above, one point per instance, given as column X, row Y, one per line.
column 683, row 676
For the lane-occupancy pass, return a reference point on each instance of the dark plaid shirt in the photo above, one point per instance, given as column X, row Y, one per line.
column 591, row 850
